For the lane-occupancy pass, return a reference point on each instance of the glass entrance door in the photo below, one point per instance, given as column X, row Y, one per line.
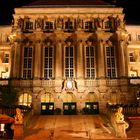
column 47, row 108
column 92, row 108
column 69, row 108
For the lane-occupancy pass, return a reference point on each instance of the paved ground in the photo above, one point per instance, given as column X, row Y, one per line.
column 71, row 127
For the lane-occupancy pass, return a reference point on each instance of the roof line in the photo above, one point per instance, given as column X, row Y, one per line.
column 66, row 6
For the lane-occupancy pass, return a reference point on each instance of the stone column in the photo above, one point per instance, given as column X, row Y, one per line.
column 58, row 61
column 80, row 57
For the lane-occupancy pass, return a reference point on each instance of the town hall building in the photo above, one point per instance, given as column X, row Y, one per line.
column 69, row 55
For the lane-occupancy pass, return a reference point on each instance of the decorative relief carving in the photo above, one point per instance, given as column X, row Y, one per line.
column 73, row 22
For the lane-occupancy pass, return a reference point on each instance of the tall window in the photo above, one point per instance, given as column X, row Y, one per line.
column 69, row 62
column 110, row 62
column 48, row 62
column 28, row 62
column 90, row 62
column 25, row 99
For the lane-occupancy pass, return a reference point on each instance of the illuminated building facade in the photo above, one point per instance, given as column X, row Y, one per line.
column 63, row 53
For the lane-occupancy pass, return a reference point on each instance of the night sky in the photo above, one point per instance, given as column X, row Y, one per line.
column 131, row 9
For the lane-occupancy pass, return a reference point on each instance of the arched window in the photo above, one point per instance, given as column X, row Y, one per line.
column 47, row 97
column 25, row 99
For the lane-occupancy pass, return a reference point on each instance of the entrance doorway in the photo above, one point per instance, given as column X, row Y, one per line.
column 92, row 107
column 69, row 104
column 47, row 108
column 69, row 108
column 47, row 104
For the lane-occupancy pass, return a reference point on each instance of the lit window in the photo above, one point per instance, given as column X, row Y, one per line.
column 110, row 62
column 25, row 99
column 27, row 64
column 90, row 62
column 47, row 97
column 69, row 62
column 48, row 62
column 131, row 57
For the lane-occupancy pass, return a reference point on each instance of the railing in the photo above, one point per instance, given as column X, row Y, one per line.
column 54, row 83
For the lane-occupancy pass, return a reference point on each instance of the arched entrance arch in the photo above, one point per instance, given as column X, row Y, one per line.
column 47, row 97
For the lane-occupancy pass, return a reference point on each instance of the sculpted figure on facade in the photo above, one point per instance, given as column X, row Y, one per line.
column 59, row 22
column 39, row 23
column 79, row 22
column 20, row 22
column 18, row 117
column 98, row 22
column 117, row 22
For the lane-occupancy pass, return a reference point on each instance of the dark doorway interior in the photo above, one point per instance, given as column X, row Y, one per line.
column 91, row 108
column 69, row 108
column 47, row 108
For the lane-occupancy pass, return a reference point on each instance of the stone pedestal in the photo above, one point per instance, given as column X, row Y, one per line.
column 120, row 131
column 18, row 132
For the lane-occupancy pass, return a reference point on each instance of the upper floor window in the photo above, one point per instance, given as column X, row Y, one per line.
column 110, row 62
column 28, row 62
column 107, row 24
column 28, row 25
column 6, row 58
column 48, row 62
column 131, row 57
column 69, row 61
column 88, row 25
column 90, row 62
column 69, row 25
column 48, row 25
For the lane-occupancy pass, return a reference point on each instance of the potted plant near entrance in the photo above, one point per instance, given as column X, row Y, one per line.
column 57, row 111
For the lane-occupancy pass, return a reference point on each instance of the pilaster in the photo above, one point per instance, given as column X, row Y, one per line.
column 37, row 59
column 80, row 57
